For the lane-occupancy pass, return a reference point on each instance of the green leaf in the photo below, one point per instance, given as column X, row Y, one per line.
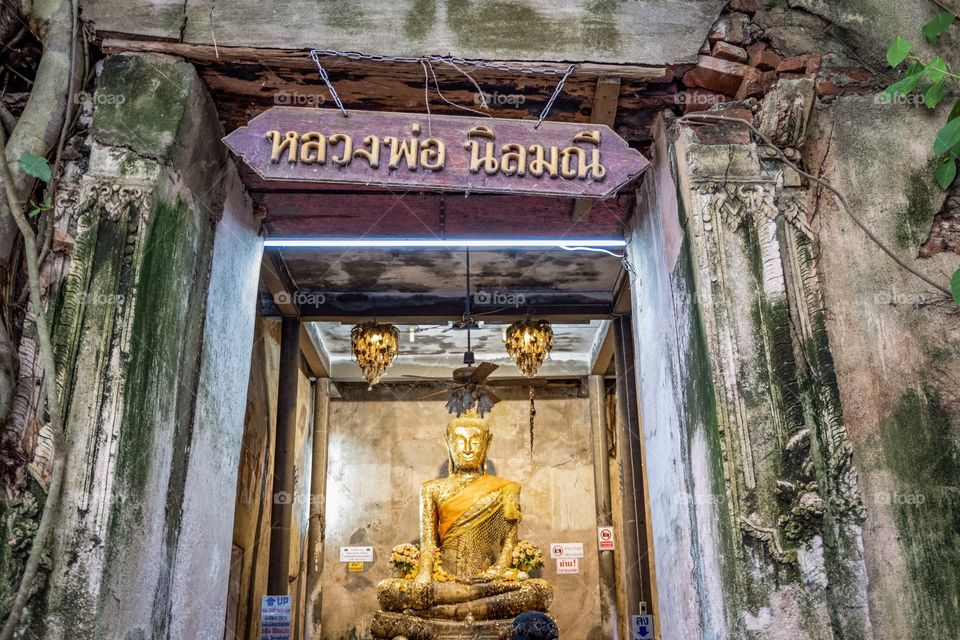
column 935, row 28
column 946, row 172
column 936, row 69
column 955, row 286
column 955, row 112
column 898, row 51
column 36, row 166
column 947, row 137
column 34, row 212
column 933, row 95
column 904, row 85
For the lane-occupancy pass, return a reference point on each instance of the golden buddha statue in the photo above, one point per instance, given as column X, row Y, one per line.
column 465, row 575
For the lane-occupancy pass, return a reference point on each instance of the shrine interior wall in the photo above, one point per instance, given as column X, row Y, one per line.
column 254, row 499
column 381, row 452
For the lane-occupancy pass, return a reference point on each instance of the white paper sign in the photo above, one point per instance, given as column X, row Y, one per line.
column 642, row 627
column 356, row 554
column 567, row 566
column 605, row 538
column 275, row 618
column 566, row 549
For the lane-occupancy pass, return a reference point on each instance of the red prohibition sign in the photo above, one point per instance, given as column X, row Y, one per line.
column 606, row 534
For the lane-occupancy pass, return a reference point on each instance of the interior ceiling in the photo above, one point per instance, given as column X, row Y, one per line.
column 435, row 350
column 443, row 271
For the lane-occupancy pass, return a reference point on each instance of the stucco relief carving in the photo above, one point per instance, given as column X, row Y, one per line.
column 777, row 403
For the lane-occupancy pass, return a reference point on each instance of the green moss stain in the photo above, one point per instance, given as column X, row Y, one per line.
column 521, row 30
column 141, row 101
column 701, row 409
column 920, row 446
column 913, row 223
column 152, row 371
column 420, row 19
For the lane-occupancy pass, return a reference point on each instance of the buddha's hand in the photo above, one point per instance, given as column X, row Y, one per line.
column 421, row 592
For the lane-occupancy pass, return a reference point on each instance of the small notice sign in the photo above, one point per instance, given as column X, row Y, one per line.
column 356, row 554
column 566, row 549
column 605, row 538
column 275, row 618
column 567, row 566
column 642, row 627
column 356, row 567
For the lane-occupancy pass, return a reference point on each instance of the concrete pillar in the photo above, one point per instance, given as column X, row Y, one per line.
column 601, row 476
column 153, row 331
column 318, row 494
column 284, row 459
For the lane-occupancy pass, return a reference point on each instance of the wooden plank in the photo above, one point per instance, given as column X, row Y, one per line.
column 390, row 215
column 604, row 112
column 652, row 32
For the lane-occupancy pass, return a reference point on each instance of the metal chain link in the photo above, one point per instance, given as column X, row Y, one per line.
column 451, row 60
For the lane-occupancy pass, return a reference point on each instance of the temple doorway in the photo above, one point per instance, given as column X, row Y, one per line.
column 341, row 462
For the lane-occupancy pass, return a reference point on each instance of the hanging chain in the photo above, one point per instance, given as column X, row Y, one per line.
column 326, row 79
column 453, row 61
column 556, row 92
column 533, row 414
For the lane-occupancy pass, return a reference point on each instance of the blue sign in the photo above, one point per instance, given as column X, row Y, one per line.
column 642, row 627
column 275, row 618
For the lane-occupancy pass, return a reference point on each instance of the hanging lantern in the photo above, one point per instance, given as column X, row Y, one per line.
column 374, row 348
column 529, row 342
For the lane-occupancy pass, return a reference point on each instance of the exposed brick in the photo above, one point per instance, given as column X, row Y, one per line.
column 714, row 74
column 746, row 6
column 762, row 57
column 796, row 64
column 835, row 81
column 813, row 64
column 727, row 51
column 695, row 99
column 756, row 83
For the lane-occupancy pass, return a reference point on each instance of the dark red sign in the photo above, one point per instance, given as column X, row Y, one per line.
column 441, row 153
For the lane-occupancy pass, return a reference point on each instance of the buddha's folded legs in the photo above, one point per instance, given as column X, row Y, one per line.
column 532, row 595
column 396, row 594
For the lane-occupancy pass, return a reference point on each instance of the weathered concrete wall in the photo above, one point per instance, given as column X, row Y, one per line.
column 897, row 353
column 380, row 454
column 162, row 231
column 679, row 423
column 641, row 32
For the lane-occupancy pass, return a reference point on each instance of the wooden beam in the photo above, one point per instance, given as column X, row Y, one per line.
column 603, row 355
column 273, row 280
column 404, row 308
column 313, row 353
column 246, row 81
column 604, row 111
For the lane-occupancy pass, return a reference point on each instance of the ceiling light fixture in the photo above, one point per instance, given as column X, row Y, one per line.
column 375, row 348
column 529, row 342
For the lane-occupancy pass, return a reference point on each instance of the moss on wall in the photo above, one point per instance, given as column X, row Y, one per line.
column 919, row 443
column 169, row 254
column 913, row 223
column 141, row 102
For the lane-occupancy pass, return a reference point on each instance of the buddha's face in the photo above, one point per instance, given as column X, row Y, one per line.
column 468, row 447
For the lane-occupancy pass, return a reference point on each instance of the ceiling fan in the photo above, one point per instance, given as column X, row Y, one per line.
column 469, row 387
